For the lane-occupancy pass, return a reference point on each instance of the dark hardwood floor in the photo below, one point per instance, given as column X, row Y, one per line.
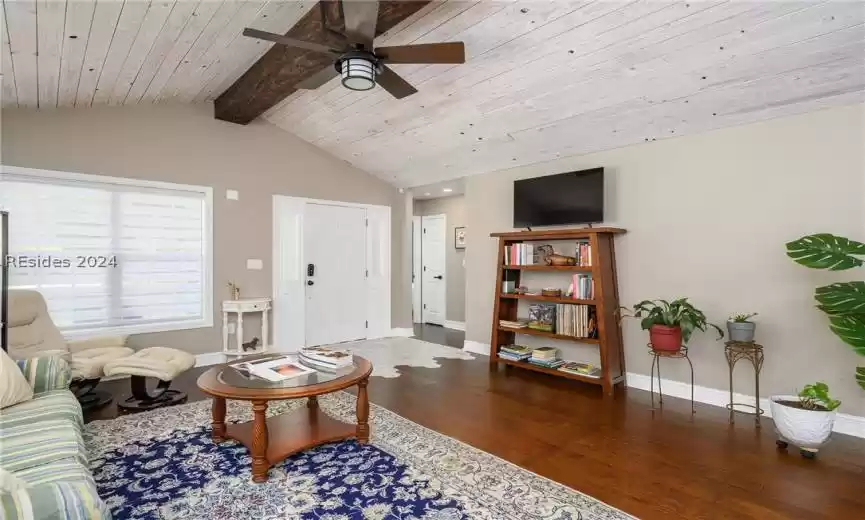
column 665, row 464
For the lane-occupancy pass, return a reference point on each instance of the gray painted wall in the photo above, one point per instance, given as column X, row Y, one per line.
column 454, row 209
column 185, row 144
column 707, row 217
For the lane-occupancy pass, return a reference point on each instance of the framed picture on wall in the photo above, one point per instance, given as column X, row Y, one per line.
column 460, row 238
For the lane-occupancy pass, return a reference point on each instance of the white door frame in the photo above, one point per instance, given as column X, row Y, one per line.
column 444, row 306
column 289, row 270
column 416, row 267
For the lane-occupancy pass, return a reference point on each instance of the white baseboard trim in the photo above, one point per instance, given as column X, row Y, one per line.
column 844, row 423
column 456, row 325
column 476, row 347
column 402, row 332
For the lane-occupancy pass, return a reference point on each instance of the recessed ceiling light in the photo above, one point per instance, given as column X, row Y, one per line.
column 447, row 190
column 427, row 194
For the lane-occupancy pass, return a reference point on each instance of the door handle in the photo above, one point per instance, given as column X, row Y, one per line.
column 310, row 282
column 439, row 277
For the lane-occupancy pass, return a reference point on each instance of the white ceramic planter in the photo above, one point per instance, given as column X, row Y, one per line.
column 807, row 429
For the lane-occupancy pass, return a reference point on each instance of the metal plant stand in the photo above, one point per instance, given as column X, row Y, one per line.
column 753, row 352
column 656, row 366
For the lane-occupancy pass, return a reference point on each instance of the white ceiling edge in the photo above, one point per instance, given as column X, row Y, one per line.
column 438, row 190
column 856, row 98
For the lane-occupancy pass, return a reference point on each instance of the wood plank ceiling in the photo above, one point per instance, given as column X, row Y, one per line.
column 544, row 79
column 274, row 75
column 88, row 52
column 552, row 79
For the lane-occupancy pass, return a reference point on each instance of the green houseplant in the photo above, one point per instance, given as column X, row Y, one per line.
column 843, row 302
column 670, row 324
column 741, row 328
column 804, row 420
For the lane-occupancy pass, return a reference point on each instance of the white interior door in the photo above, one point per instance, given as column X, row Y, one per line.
column 334, row 250
column 434, row 241
column 416, row 269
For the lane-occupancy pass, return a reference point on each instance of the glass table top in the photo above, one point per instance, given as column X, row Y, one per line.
column 236, row 376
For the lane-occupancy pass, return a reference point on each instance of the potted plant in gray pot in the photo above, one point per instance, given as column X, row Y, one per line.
column 740, row 327
column 804, row 420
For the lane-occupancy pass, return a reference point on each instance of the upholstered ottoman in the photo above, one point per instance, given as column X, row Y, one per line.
column 161, row 363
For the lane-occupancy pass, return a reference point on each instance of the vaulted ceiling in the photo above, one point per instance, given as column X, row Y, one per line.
column 543, row 80
column 88, row 52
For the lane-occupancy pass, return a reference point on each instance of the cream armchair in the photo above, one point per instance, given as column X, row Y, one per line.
column 33, row 334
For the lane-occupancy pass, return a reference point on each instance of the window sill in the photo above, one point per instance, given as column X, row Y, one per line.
column 147, row 328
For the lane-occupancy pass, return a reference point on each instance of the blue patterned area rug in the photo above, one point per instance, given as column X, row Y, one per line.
column 163, row 465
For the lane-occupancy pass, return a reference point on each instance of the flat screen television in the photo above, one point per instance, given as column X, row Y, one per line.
column 566, row 198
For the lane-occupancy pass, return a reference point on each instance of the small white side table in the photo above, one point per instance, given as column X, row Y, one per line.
column 239, row 307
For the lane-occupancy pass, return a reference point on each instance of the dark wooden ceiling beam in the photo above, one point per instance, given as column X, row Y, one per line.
column 272, row 78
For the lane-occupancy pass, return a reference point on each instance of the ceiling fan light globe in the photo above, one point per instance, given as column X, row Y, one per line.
column 358, row 74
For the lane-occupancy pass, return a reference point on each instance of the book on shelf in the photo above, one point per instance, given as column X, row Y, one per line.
column 582, row 287
column 519, row 324
column 583, row 253
column 513, row 357
column 521, row 254
column 576, row 320
column 583, row 369
column 542, row 316
column 546, row 363
column 517, row 350
column 545, row 353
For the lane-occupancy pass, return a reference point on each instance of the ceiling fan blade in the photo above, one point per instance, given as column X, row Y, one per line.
column 291, row 42
column 394, row 83
column 361, row 17
column 449, row 52
column 318, row 79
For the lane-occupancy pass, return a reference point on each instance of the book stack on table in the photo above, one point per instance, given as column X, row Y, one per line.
column 547, row 357
column 515, row 352
column 327, row 359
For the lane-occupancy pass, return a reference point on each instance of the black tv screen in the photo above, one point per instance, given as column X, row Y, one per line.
column 566, row 198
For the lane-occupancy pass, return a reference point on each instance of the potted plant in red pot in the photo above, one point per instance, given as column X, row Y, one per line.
column 670, row 324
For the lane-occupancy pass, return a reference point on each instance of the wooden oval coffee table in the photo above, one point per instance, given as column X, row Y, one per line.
column 270, row 440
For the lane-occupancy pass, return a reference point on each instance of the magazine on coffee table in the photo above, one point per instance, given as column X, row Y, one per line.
column 273, row 369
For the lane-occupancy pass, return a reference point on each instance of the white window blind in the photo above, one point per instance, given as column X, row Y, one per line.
column 110, row 255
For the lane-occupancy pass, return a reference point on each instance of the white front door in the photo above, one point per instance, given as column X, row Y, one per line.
column 434, row 240
column 334, row 251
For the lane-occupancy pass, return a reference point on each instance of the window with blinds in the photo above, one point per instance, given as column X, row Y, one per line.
column 110, row 255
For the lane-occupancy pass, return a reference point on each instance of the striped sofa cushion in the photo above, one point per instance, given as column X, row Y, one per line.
column 66, row 500
column 46, row 373
column 58, row 404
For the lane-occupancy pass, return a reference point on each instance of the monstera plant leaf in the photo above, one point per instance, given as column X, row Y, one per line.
column 860, row 376
column 851, row 329
column 826, row 251
column 842, row 298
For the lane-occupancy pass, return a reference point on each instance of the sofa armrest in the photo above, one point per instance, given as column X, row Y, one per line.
column 54, row 500
column 101, row 342
column 46, row 373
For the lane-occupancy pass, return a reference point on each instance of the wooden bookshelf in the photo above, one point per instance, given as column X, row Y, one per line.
column 606, row 302
column 554, row 268
column 544, row 334
column 549, row 299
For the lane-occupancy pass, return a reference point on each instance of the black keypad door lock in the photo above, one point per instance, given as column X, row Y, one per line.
column 310, row 270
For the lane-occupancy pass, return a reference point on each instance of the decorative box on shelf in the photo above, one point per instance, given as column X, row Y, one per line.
column 241, row 307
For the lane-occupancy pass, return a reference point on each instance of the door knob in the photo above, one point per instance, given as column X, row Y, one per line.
column 439, row 277
column 310, row 282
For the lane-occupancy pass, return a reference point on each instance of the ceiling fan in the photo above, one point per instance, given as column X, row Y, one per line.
column 359, row 63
